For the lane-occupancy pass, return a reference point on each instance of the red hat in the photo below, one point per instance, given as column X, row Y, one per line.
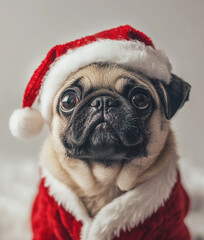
column 122, row 45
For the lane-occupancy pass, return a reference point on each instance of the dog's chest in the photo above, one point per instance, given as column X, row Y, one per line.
column 103, row 196
column 103, row 191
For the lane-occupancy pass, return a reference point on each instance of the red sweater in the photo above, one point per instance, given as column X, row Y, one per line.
column 50, row 220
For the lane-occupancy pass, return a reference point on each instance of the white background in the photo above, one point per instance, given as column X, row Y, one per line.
column 29, row 28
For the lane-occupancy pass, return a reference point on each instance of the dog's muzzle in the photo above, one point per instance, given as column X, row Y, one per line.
column 104, row 127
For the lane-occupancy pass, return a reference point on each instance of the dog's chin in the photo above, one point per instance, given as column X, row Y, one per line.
column 103, row 145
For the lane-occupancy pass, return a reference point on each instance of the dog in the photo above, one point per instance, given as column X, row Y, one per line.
column 109, row 165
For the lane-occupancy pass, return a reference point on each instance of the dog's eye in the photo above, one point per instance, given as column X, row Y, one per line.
column 69, row 101
column 141, row 101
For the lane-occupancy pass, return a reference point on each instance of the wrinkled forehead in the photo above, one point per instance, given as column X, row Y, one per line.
column 111, row 76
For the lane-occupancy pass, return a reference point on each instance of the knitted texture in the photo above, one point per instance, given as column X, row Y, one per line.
column 50, row 221
column 119, row 33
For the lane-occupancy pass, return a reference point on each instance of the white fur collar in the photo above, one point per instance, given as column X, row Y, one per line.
column 122, row 213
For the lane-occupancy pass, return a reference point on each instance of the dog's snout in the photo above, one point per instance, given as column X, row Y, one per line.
column 104, row 102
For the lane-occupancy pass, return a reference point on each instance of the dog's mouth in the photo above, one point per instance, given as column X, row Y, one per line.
column 102, row 140
column 105, row 136
column 104, row 132
column 100, row 129
column 103, row 125
column 104, row 144
column 103, row 129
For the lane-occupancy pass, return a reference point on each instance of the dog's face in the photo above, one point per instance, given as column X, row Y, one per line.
column 109, row 114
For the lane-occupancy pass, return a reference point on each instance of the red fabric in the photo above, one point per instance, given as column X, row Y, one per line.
column 119, row 33
column 51, row 222
column 168, row 221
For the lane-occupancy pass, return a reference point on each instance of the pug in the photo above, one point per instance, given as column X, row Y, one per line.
column 109, row 164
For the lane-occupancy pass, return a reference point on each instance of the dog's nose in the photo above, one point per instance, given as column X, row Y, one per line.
column 104, row 102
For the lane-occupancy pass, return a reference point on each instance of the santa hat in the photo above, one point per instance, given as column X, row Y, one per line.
column 122, row 45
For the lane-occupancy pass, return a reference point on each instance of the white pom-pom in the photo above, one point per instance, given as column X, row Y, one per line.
column 26, row 123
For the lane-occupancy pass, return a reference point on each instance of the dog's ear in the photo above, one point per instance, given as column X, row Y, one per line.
column 172, row 95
